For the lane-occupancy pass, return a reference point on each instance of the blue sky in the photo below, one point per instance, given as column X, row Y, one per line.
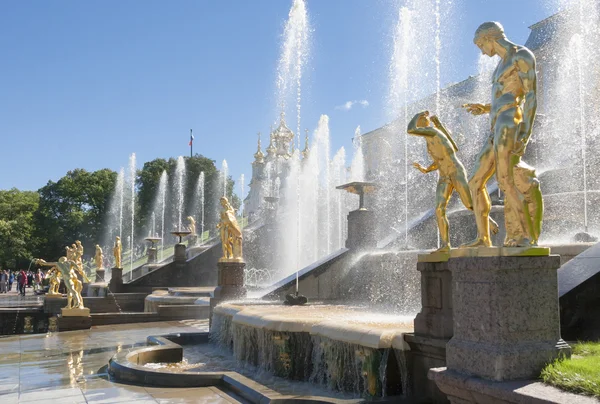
column 86, row 83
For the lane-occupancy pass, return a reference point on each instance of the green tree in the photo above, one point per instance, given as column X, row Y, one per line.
column 73, row 208
column 16, row 227
column 147, row 182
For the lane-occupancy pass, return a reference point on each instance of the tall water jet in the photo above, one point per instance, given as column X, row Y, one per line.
column 132, row 177
column 224, row 175
column 162, row 191
column 179, row 190
column 338, row 176
column 114, row 219
column 398, row 97
column 243, row 191
column 292, row 60
column 570, row 98
column 420, row 42
column 200, row 202
column 357, row 167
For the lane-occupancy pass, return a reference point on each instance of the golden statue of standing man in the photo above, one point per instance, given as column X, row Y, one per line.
column 98, row 257
column 512, row 113
column 453, row 176
column 117, row 252
column 231, row 234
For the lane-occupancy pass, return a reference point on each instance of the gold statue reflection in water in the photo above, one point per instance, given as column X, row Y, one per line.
column 453, row 176
column 512, row 113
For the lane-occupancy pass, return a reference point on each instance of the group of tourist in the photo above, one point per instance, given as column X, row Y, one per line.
column 22, row 279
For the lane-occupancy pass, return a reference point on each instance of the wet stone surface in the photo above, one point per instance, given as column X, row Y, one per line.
column 70, row 367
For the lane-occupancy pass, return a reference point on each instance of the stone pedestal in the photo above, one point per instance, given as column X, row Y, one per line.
column 506, row 323
column 435, row 318
column 432, row 330
column 100, row 275
column 116, row 280
column 180, row 256
column 231, row 280
column 72, row 323
column 361, row 229
column 83, row 312
column 152, row 255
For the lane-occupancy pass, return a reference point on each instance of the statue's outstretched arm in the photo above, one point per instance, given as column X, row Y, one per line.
column 426, row 170
column 43, row 263
column 438, row 124
column 478, row 109
column 414, row 130
column 525, row 62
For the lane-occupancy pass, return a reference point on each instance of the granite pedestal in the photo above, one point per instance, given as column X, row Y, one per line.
column 433, row 329
column 506, row 323
column 435, row 317
column 100, row 274
column 116, row 280
column 152, row 255
column 180, row 255
column 361, row 230
column 231, row 280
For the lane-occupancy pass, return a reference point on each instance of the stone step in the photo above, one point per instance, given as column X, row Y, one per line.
column 122, row 318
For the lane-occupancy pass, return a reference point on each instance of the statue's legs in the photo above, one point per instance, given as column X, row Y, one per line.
column 484, row 169
column 442, row 196
column 459, row 182
column 514, row 203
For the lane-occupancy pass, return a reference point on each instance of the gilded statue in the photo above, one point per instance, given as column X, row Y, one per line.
column 231, row 234
column 98, row 257
column 54, row 277
column 512, row 114
column 192, row 225
column 452, row 174
column 72, row 282
column 77, row 250
column 528, row 185
column 79, row 254
column 117, row 249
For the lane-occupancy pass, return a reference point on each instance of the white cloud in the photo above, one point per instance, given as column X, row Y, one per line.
column 347, row 106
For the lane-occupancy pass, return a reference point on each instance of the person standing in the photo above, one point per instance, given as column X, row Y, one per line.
column 22, row 282
column 3, row 281
column 11, row 279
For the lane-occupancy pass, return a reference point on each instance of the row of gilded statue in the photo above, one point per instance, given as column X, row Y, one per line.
column 512, row 113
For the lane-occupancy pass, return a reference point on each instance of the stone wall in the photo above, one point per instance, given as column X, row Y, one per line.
column 200, row 270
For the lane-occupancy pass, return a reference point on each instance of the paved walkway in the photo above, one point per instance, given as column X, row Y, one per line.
column 14, row 299
column 70, row 367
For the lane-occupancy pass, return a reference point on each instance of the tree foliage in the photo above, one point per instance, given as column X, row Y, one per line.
column 16, row 227
column 73, row 208
column 40, row 224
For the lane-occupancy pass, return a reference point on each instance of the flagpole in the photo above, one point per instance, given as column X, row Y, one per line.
column 191, row 144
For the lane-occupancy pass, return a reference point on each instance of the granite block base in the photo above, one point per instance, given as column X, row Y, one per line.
column 523, row 360
column 361, row 230
column 425, row 353
column 116, row 280
column 180, row 254
column 100, row 275
column 463, row 389
column 435, row 317
column 74, row 323
column 505, row 311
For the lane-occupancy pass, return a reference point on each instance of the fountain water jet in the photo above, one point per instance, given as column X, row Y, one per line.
column 224, row 175
column 179, row 189
column 132, row 177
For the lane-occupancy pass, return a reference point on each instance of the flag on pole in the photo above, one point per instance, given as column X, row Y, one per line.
column 191, row 139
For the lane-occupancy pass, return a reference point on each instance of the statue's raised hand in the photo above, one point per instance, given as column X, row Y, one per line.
column 476, row 108
column 420, row 167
